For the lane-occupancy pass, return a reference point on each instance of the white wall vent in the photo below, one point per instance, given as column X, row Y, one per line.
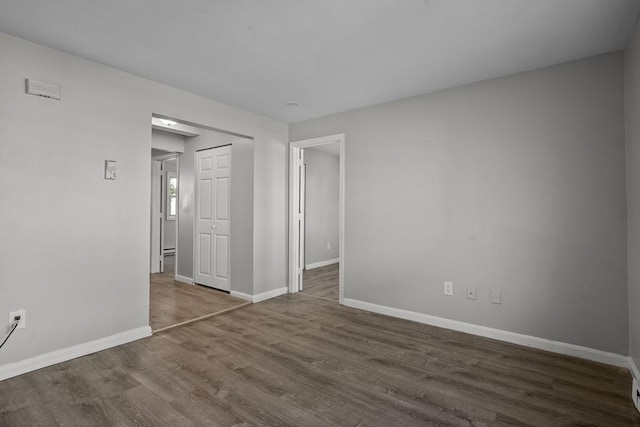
column 47, row 90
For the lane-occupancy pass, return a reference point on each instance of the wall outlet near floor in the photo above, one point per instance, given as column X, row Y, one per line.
column 496, row 296
column 22, row 323
column 328, row 246
column 635, row 394
column 471, row 292
column 448, row 288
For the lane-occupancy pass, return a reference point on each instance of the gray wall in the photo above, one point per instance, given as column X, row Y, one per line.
column 516, row 183
column 99, row 272
column 169, row 237
column 322, row 203
column 166, row 141
column 241, row 206
column 632, row 116
column 270, row 220
column 242, row 196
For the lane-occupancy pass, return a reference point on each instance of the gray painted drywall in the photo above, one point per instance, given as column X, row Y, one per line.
column 96, row 283
column 632, row 123
column 516, row 183
column 270, row 250
column 241, row 206
column 166, row 141
column 322, row 202
column 242, row 181
column 169, row 237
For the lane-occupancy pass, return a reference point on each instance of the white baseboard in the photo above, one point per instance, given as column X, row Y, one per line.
column 184, row 279
column 9, row 370
column 270, row 294
column 262, row 296
column 241, row 295
column 321, row 263
column 635, row 372
column 497, row 334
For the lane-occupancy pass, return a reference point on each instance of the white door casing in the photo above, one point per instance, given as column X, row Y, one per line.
column 157, row 259
column 213, row 208
column 302, row 188
column 296, row 253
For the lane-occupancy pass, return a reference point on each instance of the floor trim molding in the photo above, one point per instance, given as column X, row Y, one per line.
column 9, row 370
column 497, row 334
column 635, row 372
column 184, row 279
column 321, row 263
column 241, row 295
column 261, row 296
column 270, row 294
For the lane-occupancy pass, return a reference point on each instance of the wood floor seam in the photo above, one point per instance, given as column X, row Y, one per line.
column 197, row 319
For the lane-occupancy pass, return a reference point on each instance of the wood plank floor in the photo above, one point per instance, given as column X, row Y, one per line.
column 322, row 282
column 301, row 361
column 172, row 303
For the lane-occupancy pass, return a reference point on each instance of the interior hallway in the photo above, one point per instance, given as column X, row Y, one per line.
column 173, row 303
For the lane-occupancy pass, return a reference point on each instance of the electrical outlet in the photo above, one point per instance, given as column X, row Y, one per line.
column 471, row 292
column 635, row 394
column 23, row 318
column 328, row 246
column 448, row 288
column 496, row 296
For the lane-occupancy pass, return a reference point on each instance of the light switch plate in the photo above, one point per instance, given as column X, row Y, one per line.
column 110, row 169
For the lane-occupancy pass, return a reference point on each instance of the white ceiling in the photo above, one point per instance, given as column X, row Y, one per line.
column 329, row 56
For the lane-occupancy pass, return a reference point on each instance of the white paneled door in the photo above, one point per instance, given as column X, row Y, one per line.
column 213, row 208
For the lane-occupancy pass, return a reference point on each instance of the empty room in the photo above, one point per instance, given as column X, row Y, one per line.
column 320, row 213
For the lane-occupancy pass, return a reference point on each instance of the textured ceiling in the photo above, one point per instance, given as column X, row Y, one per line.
column 329, row 56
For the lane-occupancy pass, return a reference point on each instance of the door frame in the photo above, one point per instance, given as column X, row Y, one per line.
column 158, row 178
column 295, row 148
column 176, row 222
column 165, row 206
column 156, row 261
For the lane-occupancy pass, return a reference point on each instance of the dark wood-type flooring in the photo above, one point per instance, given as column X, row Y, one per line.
column 322, row 282
column 173, row 303
column 301, row 361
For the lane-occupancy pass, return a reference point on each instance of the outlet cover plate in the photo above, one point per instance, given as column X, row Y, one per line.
column 448, row 288
column 496, row 296
column 471, row 292
column 23, row 318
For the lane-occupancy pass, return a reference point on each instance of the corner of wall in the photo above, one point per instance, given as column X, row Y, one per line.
column 632, row 145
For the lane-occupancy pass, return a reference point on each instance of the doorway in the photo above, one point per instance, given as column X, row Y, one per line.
column 164, row 195
column 298, row 216
column 177, row 299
